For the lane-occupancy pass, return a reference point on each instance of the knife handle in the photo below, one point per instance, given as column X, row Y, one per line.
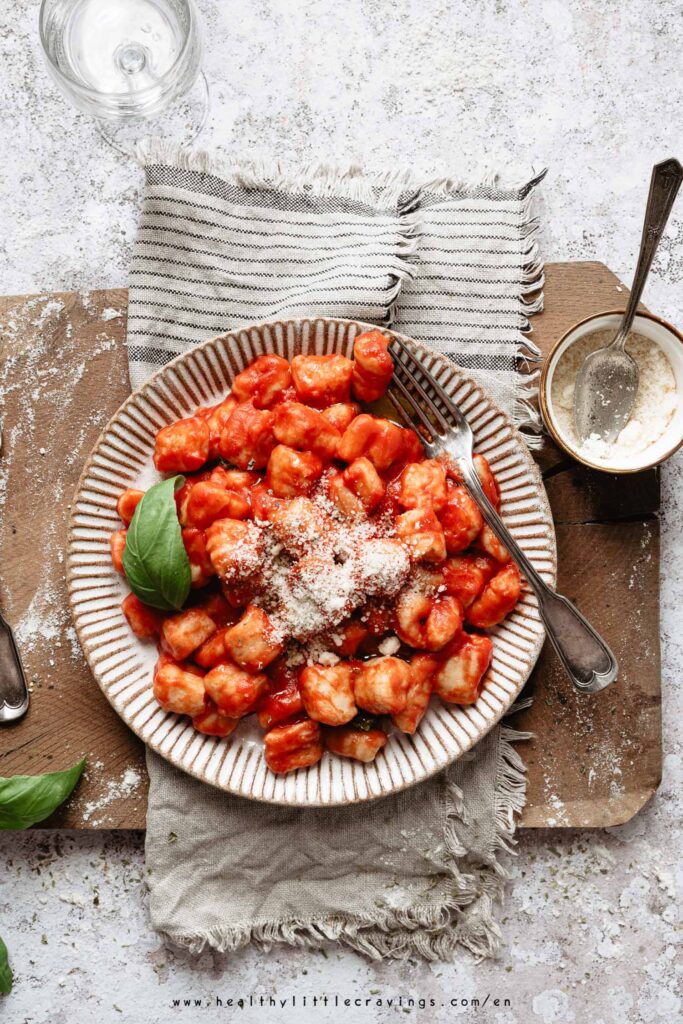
column 14, row 696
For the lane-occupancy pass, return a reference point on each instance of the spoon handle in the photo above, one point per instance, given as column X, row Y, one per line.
column 664, row 185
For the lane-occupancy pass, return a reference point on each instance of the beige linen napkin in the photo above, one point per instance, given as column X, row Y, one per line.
column 221, row 245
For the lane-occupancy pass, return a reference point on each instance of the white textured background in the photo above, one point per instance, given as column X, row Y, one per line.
column 594, row 90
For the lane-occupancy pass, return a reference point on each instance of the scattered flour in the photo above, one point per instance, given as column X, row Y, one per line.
column 50, row 309
column 114, row 790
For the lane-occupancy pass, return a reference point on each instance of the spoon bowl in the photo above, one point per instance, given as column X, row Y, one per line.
column 605, row 394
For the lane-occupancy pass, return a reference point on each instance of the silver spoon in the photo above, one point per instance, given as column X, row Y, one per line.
column 607, row 383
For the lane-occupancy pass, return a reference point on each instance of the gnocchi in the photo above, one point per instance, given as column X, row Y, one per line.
column 144, row 621
column 179, row 690
column 293, row 745
column 306, row 429
column 207, row 501
column 283, row 699
column 423, row 535
column 233, row 690
column 381, row 441
column 247, row 437
column 182, row 446
column 235, row 548
column 183, row 633
column 298, row 502
column 466, row 575
column 117, row 543
column 358, row 489
column 381, row 686
column 423, row 485
column 372, row 366
column 359, row 744
column 421, row 669
column 497, row 599
column 216, row 418
column 290, row 472
column 127, row 503
column 340, row 414
column 212, row 722
column 265, row 381
column 460, row 519
column 322, row 380
column 201, row 569
column 428, row 622
column 459, row 677
column 252, row 641
column 327, row 693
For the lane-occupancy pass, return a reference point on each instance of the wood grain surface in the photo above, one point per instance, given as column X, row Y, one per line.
column 594, row 761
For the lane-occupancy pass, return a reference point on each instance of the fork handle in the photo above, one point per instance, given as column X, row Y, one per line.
column 587, row 659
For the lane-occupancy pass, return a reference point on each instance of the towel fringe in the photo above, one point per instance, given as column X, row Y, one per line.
column 520, row 705
column 531, row 298
column 525, row 410
column 323, row 179
column 490, row 180
column 383, row 189
column 465, row 917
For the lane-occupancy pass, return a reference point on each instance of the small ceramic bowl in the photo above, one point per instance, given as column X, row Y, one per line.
column 669, row 340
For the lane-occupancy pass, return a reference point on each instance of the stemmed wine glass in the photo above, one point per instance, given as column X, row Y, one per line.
column 133, row 64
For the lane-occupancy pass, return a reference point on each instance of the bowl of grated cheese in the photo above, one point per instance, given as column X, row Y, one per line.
column 654, row 430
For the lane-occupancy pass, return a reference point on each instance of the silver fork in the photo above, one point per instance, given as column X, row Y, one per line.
column 587, row 659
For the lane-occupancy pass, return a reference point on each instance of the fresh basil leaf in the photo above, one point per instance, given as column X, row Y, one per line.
column 26, row 799
column 6, row 977
column 154, row 559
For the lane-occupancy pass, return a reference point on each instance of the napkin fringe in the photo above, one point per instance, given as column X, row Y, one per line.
column 487, row 179
column 525, row 410
column 510, row 792
column 320, row 179
column 465, row 916
column 384, row 189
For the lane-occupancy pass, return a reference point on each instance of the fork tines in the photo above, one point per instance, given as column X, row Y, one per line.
column 405, row 380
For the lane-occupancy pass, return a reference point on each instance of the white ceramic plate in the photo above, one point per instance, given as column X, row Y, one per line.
column 122, row 664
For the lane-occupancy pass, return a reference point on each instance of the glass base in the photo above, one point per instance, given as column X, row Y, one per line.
column 180, row 123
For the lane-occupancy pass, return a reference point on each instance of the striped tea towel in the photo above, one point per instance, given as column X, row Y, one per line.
column 221, row 245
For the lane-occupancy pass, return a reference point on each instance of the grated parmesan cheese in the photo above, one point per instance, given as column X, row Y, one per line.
column 315, row 568
column 390, row 645
column 655, row 405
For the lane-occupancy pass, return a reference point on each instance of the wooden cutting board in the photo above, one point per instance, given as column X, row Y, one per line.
column 594, row 761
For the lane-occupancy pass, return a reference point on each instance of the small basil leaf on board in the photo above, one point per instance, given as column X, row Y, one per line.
column 154, row 559
column 27, row 799
column 6, row 977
